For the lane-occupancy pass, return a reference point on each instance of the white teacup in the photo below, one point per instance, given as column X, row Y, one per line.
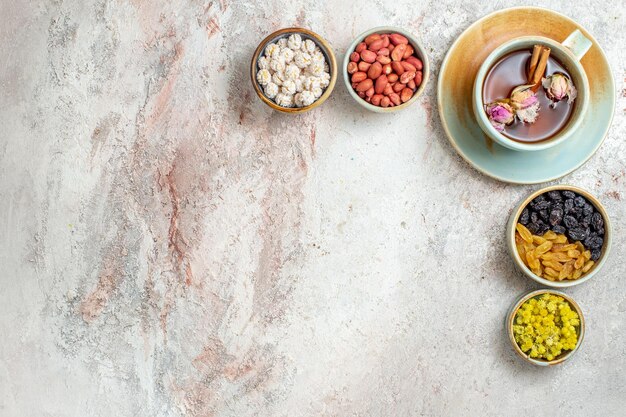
column 569, row 53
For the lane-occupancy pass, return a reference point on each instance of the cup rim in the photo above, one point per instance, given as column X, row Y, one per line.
column 563, row 356
column 418, row 48
column 321, row 42
column 483, row 121
column 606, row 247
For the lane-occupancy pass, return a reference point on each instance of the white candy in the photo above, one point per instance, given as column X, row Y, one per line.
column 318, row 58
column 289, row 87
column 324, row 79
column 282, row 42
column 271, row 49
column 294, row 42
column 292, row 72
column 264, row 63
column 317, row 92
column 316, row 69
column 271, row 90
column 311, row 82
column 277, row 65
column 263, row 77
column 278, row 78
column 308, row 46
column 299, row 84
column 286, row 55
column 284, row 100
column 302, row 59
column 305, row 98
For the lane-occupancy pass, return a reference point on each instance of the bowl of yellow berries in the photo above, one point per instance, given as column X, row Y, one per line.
column 545, row 327
column 559, row 236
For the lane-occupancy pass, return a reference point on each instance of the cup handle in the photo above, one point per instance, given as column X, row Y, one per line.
column 577, row 43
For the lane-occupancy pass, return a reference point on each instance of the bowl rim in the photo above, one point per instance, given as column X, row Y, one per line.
column 560, row 136
column 608, row 235
column 419, row 48
column 321, row 42
column 563, row 356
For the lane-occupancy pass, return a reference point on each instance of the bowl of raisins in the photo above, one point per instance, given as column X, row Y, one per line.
column 560, row 236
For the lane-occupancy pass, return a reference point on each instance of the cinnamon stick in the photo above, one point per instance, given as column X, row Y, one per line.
column 534, row 59
column 540, row 69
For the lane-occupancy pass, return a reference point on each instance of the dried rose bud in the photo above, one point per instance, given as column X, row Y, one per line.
column 558, row 86
column 500, row 114
column 526, row 103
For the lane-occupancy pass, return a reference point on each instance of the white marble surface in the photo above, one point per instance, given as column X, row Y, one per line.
column 171, row 247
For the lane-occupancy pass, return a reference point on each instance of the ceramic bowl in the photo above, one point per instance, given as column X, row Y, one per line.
column 306, row 34
column 510, row 318
column 510, row 237
column 569, row 53
column 420, row 51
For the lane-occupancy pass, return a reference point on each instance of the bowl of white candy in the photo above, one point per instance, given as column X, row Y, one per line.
column 293, row 70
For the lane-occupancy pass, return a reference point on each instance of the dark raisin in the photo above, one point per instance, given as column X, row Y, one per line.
column 595, row 254
column 569, row 205
column 542, row 205
column 534, row 217
column 559, row 229
column 594, row 242
column 577, row 233
column 587, row 209
column 533, row 227
column 568, row 194
column 556, row 216
column 570, row 222
column 524, row 217
column 544, row 215
column 542, row 228
column 580, row 201
column 600, row 231
column 554, row 195
column 596, row 221
column 585, row 221
column 577, row 212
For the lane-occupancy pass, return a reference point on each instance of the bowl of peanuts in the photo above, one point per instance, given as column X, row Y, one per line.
column 385, row 69
column 559, row 236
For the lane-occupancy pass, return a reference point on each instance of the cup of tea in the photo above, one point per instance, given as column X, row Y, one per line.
column 509, row 69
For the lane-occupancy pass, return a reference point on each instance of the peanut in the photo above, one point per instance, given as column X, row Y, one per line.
column 354, row 57
column 397, row 68
column 418, row 78
column 384, row 102
column 407, row 76
column 371, row 38
column 360, row 47
column 383, row 59
column 364, row 66
column 370, row 92
column 357, row 77
column 364, row 85
column 375, row 70
column 368, row 56
column 409, row 51
column 415, row 62
column 397, row 87
column 387, row 69
column 406, row 94
column 398, row 52
column 352, row 67
column 376, row 45
column 381, row 83
column 383, row 51
column 398, row 39
column 392, row 78
column 361, row 94
column 408, row 66
column 385, row 38
column 376, row 99
column 395, row 99
column 388, row 89
column 411, row 84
